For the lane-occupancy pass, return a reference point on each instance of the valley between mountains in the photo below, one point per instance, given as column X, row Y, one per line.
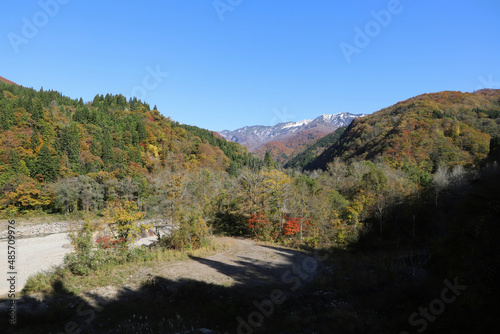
column 285, row 140
column 400, row 203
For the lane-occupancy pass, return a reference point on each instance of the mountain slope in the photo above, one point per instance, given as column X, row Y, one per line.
column 418, row 134
column 2, row 79
column 255, row 136
column 46, row 137
column 282, row 150
column 306, row 157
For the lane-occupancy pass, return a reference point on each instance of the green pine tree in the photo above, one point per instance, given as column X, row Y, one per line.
column 46, row 164
column 268, row 160
column 35, row 140
column 81, row 114
column 70, row 143
column 141, row 130
column 7, row 118
column 107, row 149
column 36, row 109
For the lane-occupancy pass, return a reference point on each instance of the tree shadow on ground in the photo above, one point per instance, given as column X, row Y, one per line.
column 252, row 305
column 337, row 301
column 263, row 299
column 249, row 272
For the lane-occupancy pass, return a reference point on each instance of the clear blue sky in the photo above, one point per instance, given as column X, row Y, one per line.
column 267, row 61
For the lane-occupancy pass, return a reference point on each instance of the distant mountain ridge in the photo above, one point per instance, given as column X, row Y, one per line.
column 256, row 136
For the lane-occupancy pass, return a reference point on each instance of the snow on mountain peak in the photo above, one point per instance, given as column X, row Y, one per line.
column 254, row 136
column 297, row 124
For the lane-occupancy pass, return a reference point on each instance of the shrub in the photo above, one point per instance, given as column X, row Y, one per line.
column 193, row 233
column 262, row 227
column 39, row 282
column 123, row 217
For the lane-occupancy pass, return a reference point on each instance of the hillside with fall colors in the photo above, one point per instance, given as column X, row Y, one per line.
column 282, row 150
column 409, row 197
column 46, row 137
column 421, row 133
column 303, row 159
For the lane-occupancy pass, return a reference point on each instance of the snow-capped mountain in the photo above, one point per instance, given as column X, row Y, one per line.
column 255, row 136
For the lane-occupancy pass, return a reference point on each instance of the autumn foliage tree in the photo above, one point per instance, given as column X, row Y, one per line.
column 292, row 226
column 261, row 227
column 123, row 218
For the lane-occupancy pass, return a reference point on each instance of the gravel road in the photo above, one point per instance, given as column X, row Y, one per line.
column 33, row 255
column 42, row 246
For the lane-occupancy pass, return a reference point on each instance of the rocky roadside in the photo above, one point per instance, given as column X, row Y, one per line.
column 25, row 229
column 30, row 229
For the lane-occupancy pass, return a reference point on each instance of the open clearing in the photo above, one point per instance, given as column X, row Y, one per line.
column 245, row 262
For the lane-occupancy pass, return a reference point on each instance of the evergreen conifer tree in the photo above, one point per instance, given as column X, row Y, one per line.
column 7, row 118
column 35, row 140
column 107, row 149
column 36, row 109
column 47, row 165
column 268, row 160
column 70, row 143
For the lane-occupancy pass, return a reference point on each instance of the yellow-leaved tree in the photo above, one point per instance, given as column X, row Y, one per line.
column 277, row 185
column 123, row 218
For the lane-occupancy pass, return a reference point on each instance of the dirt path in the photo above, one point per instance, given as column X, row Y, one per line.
column 245, row 262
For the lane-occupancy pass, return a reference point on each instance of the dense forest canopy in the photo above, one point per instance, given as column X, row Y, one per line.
column 46, row 137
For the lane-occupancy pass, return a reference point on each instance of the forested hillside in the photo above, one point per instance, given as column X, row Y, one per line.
column 303, row 159
column 385, row 206
column 419, row 134
column 237, row 154
column 285, row 149
column 46, row 138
